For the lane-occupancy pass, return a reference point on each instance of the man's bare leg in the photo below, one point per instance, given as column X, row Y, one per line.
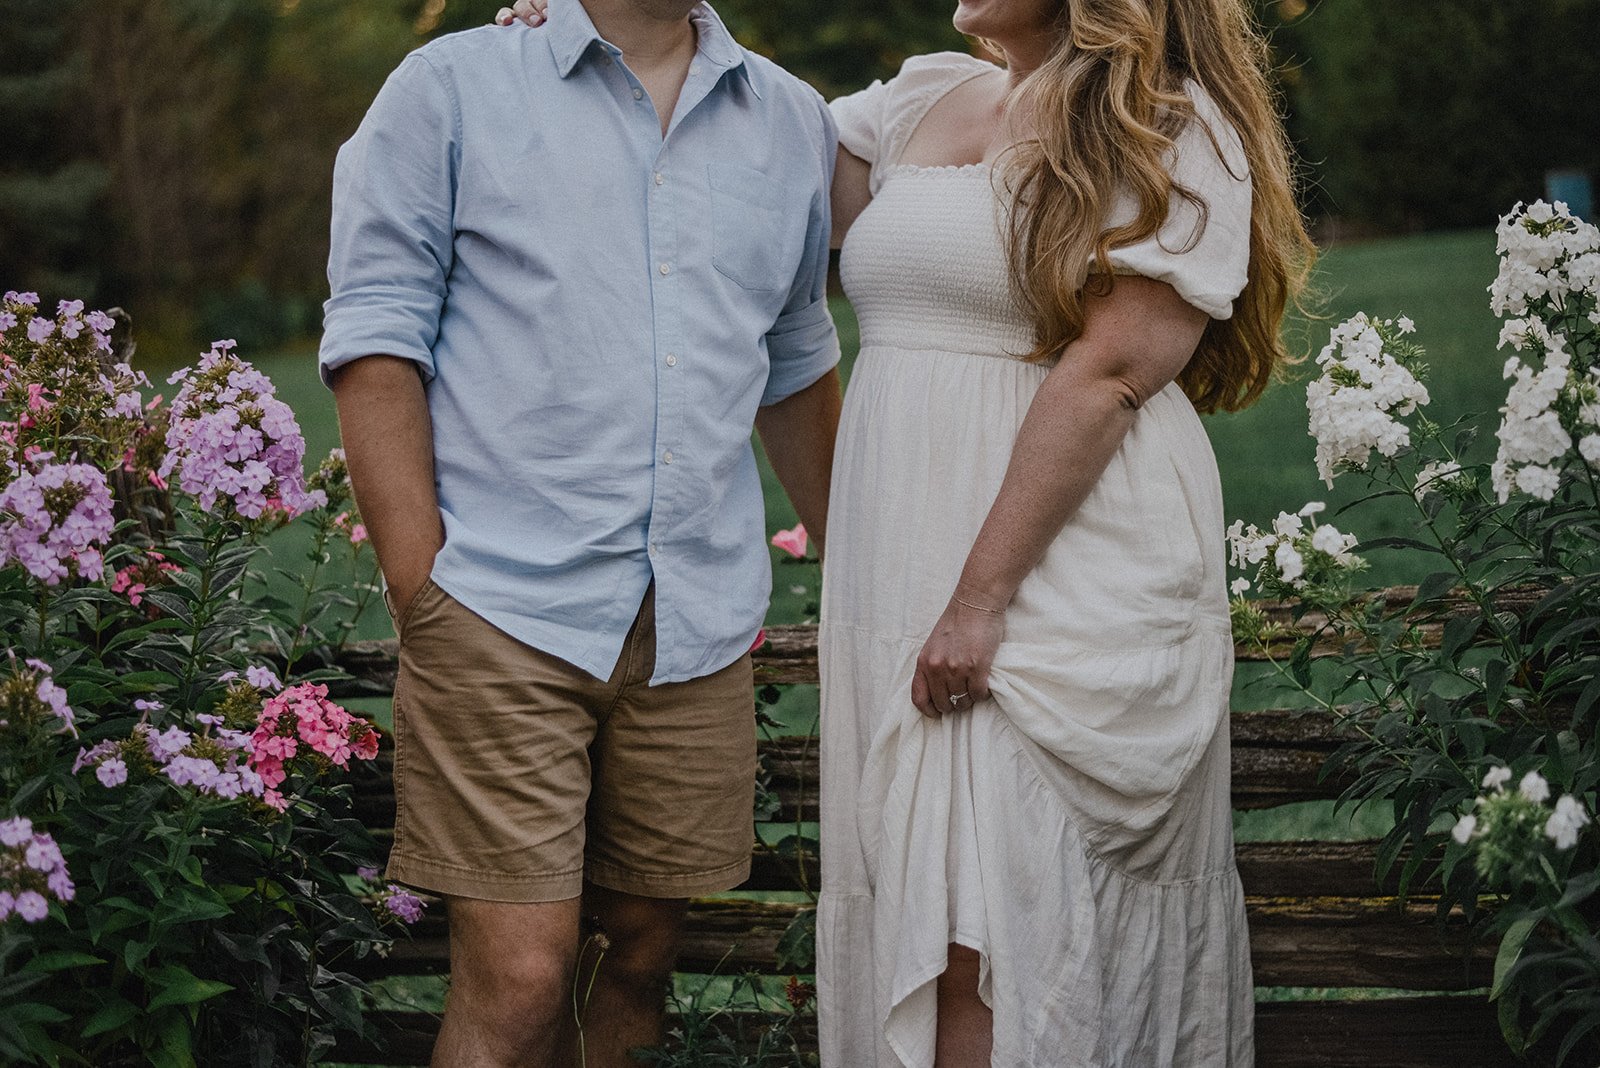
column 625, row 1006
column 511, row 970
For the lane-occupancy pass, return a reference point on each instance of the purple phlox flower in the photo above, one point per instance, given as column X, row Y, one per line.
column 227, row 676
column 403, row 905
column 43, row 855
column 191, row 771
column 262, row 678
column 113, row 772
column 8, row 902
column 168, row 744
column 60, row 884
column 56, row 698
column 71, row 328
column 30, row 299
column 52, row 546
column 209, row 719
column 367, row 874
column 15, row 831
column 100, row 321
column 7, row 320
column 32, row 906
column 147, row 706
column 232, row 739
column 70, row 308
column 40, row 329
column 93, row 755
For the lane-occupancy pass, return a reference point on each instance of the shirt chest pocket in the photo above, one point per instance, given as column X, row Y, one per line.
column 758, row 227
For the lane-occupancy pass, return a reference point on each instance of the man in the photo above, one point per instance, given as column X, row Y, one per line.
column 571, row 267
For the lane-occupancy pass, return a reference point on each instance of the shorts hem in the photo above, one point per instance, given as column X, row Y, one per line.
column 447, row 880
column 668, row 885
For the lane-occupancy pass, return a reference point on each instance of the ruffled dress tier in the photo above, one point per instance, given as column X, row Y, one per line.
column 1075, row 829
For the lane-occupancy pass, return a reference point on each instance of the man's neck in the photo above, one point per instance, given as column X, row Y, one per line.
column 645, row 39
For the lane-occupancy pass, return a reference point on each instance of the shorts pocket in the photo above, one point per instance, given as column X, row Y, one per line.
column 403, row 616
column 757, row 227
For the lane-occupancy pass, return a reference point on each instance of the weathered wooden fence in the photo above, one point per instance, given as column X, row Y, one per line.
column 1317, row 917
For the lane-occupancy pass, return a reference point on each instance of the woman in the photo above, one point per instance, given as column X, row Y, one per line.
column 1026, row 827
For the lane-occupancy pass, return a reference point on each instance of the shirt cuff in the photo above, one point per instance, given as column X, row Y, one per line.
column 802, row 346
column 377, row 326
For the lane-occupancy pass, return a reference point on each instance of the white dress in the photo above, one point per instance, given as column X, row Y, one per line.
column 1076, row 829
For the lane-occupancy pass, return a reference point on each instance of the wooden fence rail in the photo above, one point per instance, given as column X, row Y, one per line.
column 1318, row 918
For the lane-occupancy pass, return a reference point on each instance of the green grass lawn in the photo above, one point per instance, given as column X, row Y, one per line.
column 1265, row 453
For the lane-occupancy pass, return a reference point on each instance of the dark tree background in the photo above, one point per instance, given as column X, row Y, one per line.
column 175, row 155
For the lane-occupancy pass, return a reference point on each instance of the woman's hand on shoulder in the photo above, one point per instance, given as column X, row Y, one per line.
column 530, row 12
column 953, row 667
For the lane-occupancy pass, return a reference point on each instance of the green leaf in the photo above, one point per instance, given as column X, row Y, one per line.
column 179, row 986
column 60, row 961
column 1516, row 937
column 110, row 1016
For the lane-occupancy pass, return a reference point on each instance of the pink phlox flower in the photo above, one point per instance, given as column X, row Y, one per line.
column 792, row 541
column 37, row 401
column 761, row 639
column 273, row 799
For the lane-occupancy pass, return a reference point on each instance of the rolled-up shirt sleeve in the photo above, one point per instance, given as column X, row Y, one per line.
column 803, row 345
column 393, row 233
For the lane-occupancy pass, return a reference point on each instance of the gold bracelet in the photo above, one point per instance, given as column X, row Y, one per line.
column 978, row 607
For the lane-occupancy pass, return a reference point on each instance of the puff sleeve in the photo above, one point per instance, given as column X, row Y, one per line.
column 877, row 122
column 1204, row 254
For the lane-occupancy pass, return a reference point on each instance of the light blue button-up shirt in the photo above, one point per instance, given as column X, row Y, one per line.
column 598, row 312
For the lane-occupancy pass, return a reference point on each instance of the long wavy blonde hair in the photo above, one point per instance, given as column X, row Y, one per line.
column 1103, row 111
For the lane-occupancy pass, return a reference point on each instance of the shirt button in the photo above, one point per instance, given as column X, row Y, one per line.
column 666, row 269
column 655, row 549
column 672, row 361
column 660, row 178
column 666, row 457
column 638, row 94
column 694, row 68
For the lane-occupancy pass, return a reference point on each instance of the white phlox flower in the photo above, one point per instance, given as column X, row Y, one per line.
column 1354, row 406
column 1564, row 824
column 1497, row 777
column 1534, row 787
column 1464, row 827
column 1436, row 476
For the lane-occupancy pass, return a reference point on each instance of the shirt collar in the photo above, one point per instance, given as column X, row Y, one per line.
column 571, row 33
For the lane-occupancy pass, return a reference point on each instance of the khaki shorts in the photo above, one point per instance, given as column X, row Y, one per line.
column 519, row 776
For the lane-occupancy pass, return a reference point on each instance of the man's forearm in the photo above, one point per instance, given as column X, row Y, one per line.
column 388, row 444
column 798, row 434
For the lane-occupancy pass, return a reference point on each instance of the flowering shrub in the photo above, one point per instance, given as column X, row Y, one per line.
column 1491, row 672
column 181, row 881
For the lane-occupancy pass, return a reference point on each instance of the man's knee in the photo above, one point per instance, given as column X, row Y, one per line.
column 512, row 971
column 634, row 943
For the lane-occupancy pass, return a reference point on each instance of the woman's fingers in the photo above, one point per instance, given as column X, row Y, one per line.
column 531, row 11
column 920, row 696
column 504, row 16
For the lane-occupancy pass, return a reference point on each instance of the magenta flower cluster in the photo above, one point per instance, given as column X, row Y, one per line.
column 55, row 518
column 70, row 321
column 302, row 717
column 232, row 439
column 32, row 870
